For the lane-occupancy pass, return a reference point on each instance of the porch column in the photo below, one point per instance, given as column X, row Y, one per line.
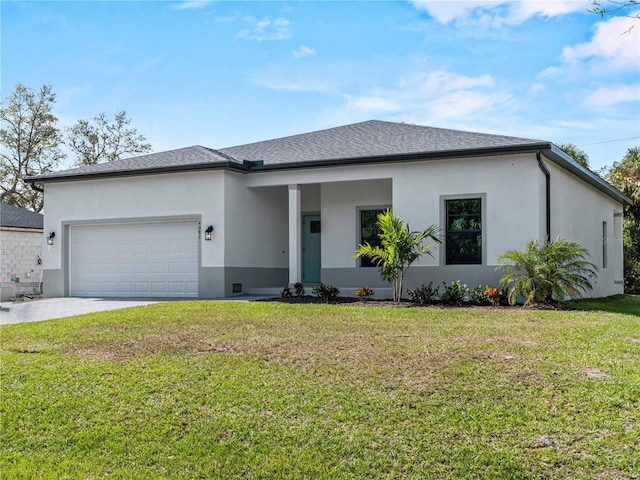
column 295, row 235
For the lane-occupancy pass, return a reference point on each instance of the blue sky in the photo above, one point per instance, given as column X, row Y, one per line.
column 223, row 73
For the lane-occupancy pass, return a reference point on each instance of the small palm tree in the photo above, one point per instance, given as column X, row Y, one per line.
column 542, row 273
column 400, row 247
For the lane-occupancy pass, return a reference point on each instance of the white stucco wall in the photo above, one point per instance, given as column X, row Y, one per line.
column 310, row 198
column 578, row 211
column 250, row 212
column 257, row 226
column 340, row 204
column 150, row 197
column 509, row 185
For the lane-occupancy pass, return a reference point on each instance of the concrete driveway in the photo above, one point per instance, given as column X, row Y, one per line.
column 50, row 308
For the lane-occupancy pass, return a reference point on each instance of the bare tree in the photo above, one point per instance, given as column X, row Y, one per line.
column 608, row 7
column 29, row 144
column 99, row 140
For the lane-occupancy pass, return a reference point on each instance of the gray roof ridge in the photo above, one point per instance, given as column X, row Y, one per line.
column 294, row 135
column 376, row 121
column 456, row 130
column 220, row 153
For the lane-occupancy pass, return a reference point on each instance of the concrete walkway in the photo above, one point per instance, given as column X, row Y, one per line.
column 50, row 308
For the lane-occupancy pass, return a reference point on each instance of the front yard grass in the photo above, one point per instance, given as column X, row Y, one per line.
column 271, row 390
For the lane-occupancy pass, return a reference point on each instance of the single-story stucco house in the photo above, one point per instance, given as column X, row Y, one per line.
column 205, row 223
column 20, row 252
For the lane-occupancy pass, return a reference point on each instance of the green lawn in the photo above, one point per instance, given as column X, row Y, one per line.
column 269, row 390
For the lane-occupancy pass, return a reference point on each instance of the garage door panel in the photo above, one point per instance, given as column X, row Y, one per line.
column 142, row 268
column 176, row 267
column 161, row 249
column 176, row 249
column 158, row 268
column 176, row 287
column 137, row 259
column 192, row 267
column 126, row 268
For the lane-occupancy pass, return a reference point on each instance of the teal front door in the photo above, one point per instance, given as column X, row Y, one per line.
column 311, row 248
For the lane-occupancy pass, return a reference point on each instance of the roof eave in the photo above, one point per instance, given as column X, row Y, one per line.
column 404, row 157
column 138, row 172
column 565, row 161
column 551, row 151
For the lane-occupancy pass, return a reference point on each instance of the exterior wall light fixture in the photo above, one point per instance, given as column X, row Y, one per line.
column 50, row 238
column 207, row 232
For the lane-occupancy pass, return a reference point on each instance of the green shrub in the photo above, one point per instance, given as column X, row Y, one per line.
column 424, row 294
column 399, row 248
column 547, row 272
column 479, row 295
column 285, row 293
column 328, row 293
column 299, row 289
column 454, row 292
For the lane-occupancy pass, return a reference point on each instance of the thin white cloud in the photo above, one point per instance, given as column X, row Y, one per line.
column 606, row 96
column 495, row 13
column 287, row 83
column 615, row 45
column 267, row 29
column 372, row 103
column 439, row 98
column 192, row 4
column 537, row 87
column 303, row 51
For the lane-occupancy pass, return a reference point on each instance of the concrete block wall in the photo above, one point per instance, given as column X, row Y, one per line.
column 19, row 253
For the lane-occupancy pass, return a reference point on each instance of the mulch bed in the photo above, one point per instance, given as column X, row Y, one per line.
column 356, row 302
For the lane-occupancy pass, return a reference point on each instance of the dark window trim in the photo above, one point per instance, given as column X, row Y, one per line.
column 443, row 223
column 363, row 262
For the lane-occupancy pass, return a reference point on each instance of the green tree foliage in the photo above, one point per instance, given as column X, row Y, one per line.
column 29, row 144
column 399, row 249
column 625, row 176
column 575, row 152
column 97, row 140
column 547, row 272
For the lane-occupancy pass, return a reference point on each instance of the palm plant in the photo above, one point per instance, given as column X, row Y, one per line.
column 542, row 273
column 399, row 248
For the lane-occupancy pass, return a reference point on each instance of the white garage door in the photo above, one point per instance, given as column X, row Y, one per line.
column 155, row 259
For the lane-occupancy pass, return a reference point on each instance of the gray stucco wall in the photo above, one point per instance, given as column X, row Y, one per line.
column 53, row 284
column 472, row 275
column 254, row 278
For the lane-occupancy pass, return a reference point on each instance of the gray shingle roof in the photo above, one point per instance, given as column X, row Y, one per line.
column 196, row 155
column 12, row 216
column 373, row 138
